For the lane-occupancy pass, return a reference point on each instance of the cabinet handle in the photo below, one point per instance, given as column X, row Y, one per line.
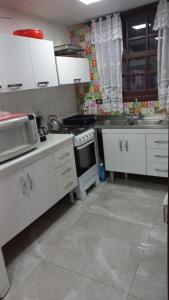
column 161, row 170
column 160, row 141
column 161, row 156
column 64, row 156
column 0, row 86
column 15, row 86
column 66, row 171
column 120, row 145
column 78, row 80
column 23, row 185
column 30, row 182
column 126, row 144
column 68, row 185
column 43, row 83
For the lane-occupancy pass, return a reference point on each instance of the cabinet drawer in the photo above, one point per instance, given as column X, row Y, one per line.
column 157, row 155
column 66, row 177
column 63, row 155
column 159, row 141
column 157, row 169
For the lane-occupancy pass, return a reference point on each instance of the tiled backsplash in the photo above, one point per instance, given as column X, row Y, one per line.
column 55, row 100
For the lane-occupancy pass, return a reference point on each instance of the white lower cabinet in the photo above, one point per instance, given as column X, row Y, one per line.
column 143, row 151
column 15, row 212
column 66, row 178
column 30, row 191
column 42, row 186
column 113, row 152
column 125, row 152
column 157, row 154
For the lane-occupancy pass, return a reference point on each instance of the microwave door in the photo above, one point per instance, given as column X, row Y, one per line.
column 15, row 138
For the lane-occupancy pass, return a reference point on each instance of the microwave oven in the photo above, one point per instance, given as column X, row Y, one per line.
column 18, row 135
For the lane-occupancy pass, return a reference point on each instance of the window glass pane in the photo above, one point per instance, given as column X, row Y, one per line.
column 137, row 45
column 124, row 84
column 151, row 24
column 153, row 81
column 137, row 26
column 124, row 67
column 152, row 63
column 137, row 83
column 153, row 42
column 137, row 65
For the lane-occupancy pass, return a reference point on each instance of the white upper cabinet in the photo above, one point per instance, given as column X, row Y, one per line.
column 43, row 62
column 15, row 63
column 72, row 70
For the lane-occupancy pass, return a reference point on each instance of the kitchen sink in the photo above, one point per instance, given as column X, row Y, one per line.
column 115, row 122
column 146, row 122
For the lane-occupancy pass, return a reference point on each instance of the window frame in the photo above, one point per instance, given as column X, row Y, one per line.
column 147, row 93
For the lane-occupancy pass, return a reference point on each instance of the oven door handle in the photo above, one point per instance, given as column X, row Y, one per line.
column 85, row 145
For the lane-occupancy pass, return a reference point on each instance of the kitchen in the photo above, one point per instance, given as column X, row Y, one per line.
column 84, row 150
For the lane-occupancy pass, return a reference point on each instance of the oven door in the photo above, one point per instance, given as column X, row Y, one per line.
column 85, row 157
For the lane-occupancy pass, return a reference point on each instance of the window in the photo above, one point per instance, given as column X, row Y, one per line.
column 140, row 54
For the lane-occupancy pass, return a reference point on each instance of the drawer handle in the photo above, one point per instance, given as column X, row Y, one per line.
column 15, row 86
column 161, row 156
column 68, row 185
column 160, row 141
column 43, row 83
column 161, row 170
column 77, row 80
column 66, row 171
column 64, row 156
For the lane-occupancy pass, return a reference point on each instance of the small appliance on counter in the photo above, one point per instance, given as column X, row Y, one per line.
column 53, row 123
column 18, row 135
column 43, row 131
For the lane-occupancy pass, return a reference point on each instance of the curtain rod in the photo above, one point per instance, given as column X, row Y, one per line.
column 123, row 13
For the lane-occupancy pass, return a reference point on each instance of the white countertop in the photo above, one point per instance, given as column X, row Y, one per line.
column 53, row 142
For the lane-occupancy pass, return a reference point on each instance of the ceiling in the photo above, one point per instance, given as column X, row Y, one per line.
column 69, row 12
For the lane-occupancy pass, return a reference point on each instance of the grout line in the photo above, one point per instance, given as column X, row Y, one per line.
column 143, row 250
column 85, row 276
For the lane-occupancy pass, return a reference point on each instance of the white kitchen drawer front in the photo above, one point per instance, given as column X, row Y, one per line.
column 63, row 155
column 157, row 169
column 159, row 141
column 66, row 178
column 157, row 155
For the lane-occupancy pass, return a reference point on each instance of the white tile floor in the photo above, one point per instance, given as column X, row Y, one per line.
column 111, row 246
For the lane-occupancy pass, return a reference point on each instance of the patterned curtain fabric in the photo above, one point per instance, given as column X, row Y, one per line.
column 106, row 35
column 162, row 25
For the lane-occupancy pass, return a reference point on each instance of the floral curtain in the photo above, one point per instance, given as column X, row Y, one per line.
column 162, row 25
column 106, row 35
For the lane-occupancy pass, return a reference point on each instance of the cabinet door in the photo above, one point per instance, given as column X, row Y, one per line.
column 43, row 62
column 15, row 212
column 113, row 152
column 15, row 63
column 135, row 153
column 41, row 180
column 72, row 69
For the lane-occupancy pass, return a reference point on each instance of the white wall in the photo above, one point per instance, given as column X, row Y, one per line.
column 58, row 100
column 52, row 31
